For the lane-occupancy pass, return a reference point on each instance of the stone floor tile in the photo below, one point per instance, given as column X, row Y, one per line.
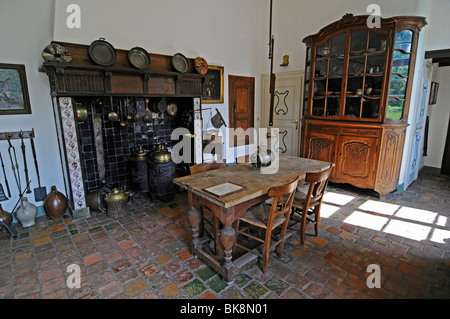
column 194, row 288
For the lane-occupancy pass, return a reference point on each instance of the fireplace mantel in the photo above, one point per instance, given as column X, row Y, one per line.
column 81, row 77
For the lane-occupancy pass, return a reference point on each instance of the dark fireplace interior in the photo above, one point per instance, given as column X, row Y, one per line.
column 120, row 142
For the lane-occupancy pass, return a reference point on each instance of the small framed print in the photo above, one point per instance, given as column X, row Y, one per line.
column 433, row 93
column 14, row 98
column 214, row 85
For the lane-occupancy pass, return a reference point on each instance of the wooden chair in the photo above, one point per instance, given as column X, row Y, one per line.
column 268, row 218
column 212, row 221
column 311, row 201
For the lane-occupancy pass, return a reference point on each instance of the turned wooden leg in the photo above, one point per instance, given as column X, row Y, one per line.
column 317, row 221
column 303, row 227
column 195, row 218
column 228, row 237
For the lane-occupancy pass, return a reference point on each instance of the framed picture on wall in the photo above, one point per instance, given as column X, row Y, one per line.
column 14, row 98
column 433, row 93
column 214, row 85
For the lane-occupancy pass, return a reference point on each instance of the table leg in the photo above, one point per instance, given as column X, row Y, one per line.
column 195, row 218
column 228, row 237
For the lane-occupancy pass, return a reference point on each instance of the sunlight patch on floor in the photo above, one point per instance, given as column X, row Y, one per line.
column 366, row 220
column 338, row 199
column 407, row 229
column 420, row 215
column 326, row 210
column 408, row 222
column 379, row 207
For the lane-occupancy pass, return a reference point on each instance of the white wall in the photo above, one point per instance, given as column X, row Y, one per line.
column 439, row 117
column 27, row 27
column 439, row 24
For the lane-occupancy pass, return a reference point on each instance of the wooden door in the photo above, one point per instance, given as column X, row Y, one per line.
column 286, row 111
column 241, row 104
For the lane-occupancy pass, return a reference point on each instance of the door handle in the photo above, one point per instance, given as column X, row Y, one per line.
column 296, row 124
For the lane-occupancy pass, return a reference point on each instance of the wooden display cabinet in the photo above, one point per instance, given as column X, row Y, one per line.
column 357, row 93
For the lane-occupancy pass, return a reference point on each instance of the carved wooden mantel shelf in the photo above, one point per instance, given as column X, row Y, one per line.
column 81, row 77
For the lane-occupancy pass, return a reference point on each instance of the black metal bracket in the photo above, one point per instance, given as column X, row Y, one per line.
column 16, row 135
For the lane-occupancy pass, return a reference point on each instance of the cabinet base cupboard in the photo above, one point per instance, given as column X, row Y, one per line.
column 358, row 84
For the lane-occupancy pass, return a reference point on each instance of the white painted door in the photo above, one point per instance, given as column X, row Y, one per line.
column 287, row 109
column 416, row 148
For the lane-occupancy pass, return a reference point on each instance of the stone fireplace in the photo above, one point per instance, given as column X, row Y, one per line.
column 81, row 83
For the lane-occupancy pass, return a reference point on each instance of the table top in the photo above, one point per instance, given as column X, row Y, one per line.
column 255, row 184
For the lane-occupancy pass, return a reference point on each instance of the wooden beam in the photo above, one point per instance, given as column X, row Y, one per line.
column 437, row 54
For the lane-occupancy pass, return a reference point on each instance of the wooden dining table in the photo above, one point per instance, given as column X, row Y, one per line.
column 248, row 187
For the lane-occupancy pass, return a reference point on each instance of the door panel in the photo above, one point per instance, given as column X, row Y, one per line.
column 286, row 110
column 356, row 160
column 241, row 104
column 321, row 146
column 416, row 156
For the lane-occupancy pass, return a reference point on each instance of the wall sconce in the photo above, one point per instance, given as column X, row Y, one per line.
column 285, row 60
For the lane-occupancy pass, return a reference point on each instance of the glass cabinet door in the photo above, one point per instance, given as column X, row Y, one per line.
column 399, row 76
column 365, row 74
column 306, row 84
column 328, row 73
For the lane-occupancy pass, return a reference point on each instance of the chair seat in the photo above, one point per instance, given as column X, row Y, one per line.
column 300, row 198
column 258, row 216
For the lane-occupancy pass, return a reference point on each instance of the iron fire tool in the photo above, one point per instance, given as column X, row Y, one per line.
column 15, row 164
column 4, row 173
column 28, row 191
column 20, row 196
column 2, row 194
column 41, row 192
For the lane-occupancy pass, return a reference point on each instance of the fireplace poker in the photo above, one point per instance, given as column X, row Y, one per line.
column 4, row 173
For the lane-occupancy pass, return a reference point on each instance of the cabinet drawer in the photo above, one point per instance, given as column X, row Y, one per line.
column 360, row 131
column 322, row 128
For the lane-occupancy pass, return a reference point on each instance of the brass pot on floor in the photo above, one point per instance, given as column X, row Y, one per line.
column 117, row 201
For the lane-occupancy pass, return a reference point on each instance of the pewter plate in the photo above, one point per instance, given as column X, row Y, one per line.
column 139, row 58
column 102, row 53
column 180, row 63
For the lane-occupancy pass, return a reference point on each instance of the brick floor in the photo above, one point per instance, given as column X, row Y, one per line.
column 146, row 254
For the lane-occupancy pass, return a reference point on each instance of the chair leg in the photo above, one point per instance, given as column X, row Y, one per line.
column 265, row 264
column 317, row 219
column 283, row 235
column 303, row 227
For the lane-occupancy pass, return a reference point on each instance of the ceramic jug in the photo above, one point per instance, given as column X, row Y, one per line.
column 26, row 213
column 55, row 204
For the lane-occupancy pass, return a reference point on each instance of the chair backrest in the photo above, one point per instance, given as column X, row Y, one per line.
column 204, row 167
column 283, row 197
column 318, row 185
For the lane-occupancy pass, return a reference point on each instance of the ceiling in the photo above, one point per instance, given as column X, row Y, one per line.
column 439, row 56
